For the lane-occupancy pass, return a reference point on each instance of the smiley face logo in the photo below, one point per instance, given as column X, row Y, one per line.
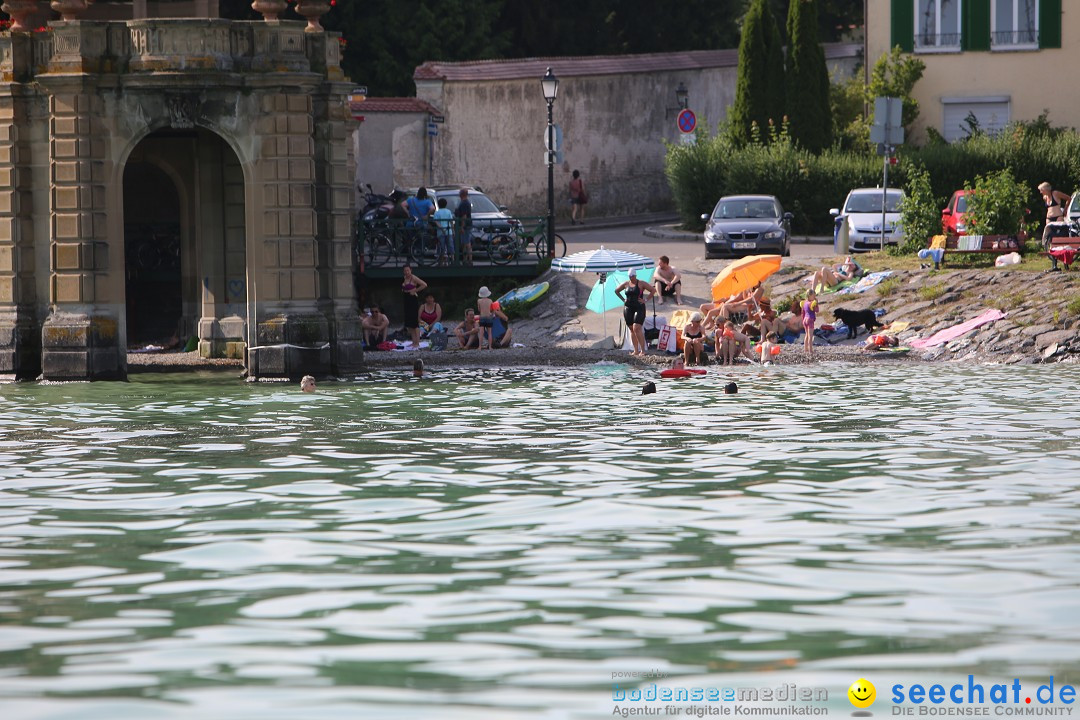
column 862, row 693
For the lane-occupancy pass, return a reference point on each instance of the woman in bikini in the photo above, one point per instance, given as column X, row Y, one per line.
column 411, row 286
column 1056, row 202
column 693, row 340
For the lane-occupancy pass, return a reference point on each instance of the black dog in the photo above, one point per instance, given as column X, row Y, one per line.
column 854, row 318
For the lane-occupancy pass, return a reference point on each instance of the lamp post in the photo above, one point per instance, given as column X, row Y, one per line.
column 550, row 85
column 682, row 95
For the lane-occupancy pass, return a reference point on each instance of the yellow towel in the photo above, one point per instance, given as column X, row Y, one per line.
column 896, row 326
column 937, row 242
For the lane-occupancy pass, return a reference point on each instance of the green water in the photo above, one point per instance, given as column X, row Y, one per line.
column 498, row 544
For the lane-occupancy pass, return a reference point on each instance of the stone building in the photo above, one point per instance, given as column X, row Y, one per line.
column 173, row 176
column 616, row 112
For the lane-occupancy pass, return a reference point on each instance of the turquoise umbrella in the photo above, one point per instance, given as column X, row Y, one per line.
column 603, row 297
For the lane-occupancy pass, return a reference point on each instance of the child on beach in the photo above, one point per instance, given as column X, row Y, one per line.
column 809, row 316
column 725, row 343
column 770, row 349
column 487, row 318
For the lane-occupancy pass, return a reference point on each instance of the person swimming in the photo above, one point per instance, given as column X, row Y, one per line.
column 307, row 384
column 731, row 388
column 418, row 368
column 648, row 388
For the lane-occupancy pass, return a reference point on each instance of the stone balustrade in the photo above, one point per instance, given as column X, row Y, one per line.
column 162, row 45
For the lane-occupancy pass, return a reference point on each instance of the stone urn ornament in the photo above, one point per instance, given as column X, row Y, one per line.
column 270, row 9
column 313, row 10
column 70, row 9
column 19, row 11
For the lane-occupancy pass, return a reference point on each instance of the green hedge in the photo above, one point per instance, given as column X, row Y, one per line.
column 810, row 184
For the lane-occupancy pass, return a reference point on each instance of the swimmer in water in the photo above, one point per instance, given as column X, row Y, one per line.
column 307, row 384
column 418, row 368
column 731, row 388
column 648, row 388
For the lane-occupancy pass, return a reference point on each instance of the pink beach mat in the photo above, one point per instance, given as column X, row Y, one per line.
column 943, row 336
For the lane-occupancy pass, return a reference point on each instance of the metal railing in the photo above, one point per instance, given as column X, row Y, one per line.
column 937, row 40
column 396, row 243
column 1006, row 38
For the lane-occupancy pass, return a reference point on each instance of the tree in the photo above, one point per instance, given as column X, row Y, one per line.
column 895, row 76
column 810, row 122
column 759, row 90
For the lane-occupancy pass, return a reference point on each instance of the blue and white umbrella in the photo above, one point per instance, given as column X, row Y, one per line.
column 601, row 261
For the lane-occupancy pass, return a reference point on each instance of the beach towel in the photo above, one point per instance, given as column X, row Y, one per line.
column 897, row 326
column 822, row 290
column 938, row 242
column 866, row 283
column 951, row 333
column 1064, row 254
column 969, row 242
column 934, row 254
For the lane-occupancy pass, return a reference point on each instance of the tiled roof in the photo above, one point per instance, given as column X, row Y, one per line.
column 396, row 105
column 599, row 64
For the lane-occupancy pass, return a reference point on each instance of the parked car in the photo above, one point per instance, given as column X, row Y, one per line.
column 1073, row 212
column 487, row 216
column 747, row 225
column 953, row 217
column 862, row 214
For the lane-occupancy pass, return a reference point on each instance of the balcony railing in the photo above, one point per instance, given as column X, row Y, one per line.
column 518, row 245
column 933, row 41
column 1007, row 38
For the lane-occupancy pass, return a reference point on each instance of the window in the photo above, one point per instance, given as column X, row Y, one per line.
column 937, row 24
column 964, row 115
column 1014, row 23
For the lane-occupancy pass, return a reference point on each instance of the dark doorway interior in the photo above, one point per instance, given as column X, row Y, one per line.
column 152, row 256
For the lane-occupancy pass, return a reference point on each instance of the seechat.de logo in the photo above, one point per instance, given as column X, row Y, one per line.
column 862, row 695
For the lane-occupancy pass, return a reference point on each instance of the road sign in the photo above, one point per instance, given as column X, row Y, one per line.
column 356, row 98
column 437, row 118
column 888, row 125
column 432, row 129
column 689, row 139
column 553, row 139
column 687, row 121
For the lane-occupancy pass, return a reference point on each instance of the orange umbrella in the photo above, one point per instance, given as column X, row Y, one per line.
column 743, row 274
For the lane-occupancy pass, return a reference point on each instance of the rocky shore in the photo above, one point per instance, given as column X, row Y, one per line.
column 1042, row 322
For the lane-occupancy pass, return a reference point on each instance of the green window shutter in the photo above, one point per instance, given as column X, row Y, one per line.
column 975, row 22
column 1049, row 23
column 903, row 24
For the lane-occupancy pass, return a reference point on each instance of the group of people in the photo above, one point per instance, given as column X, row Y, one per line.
column 667, row 282
column 450, row 225
column 485, row 327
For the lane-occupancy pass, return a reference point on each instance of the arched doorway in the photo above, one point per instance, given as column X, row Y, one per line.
column 152, row 251
column 184, row 244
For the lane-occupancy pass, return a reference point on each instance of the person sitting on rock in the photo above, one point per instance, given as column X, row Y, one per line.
column 375, row 325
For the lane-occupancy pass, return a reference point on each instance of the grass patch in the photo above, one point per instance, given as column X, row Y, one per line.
column 888, row 286
column 932, row 292
column 1073, row 306
column 1011, row 301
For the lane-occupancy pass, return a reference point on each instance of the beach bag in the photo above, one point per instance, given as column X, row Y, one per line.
column 667, row 342
column 438, row 340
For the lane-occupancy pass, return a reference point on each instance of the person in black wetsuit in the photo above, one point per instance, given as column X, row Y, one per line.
column 632, row 293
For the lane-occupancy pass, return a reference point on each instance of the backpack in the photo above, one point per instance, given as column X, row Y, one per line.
column 438, row 340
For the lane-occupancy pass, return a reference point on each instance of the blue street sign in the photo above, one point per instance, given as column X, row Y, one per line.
column 687, row 121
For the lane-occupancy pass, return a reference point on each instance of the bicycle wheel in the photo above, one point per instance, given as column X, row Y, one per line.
column 502, row 249
column 378, row 249
column 425, row 249
column 541, row 246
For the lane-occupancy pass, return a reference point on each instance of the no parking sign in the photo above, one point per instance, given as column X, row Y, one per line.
column 687, row 121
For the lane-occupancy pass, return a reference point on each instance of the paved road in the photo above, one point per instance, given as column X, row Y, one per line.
column 687, row 256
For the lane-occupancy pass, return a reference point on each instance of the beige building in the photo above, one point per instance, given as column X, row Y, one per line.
column 995, row 60
column 168, row 178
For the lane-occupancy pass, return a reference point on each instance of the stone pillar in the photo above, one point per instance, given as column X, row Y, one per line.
column 20, row 346
column 292, row 336
column 334, row 171
column 82, row 338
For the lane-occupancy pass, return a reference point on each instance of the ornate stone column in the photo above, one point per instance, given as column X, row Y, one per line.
column 20, row 333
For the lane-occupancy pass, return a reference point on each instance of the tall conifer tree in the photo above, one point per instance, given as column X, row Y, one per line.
column 759, row 91
column 810, row 122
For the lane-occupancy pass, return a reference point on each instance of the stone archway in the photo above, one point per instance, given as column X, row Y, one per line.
column 185, row 242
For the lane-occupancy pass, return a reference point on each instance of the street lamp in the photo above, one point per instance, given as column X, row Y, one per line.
column 682, row 95
column 550, row 85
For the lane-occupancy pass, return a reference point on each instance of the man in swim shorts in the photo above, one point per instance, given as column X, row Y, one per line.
column 667, row 281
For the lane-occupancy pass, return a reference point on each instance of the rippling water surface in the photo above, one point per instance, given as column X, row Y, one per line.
column 498, row 544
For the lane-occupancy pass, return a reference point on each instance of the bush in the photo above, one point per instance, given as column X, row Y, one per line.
column 1074, row 306
column 996, row 207
column 920, row 212
column 931, row 292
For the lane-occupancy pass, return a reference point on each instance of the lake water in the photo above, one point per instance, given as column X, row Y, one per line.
column 502, row 544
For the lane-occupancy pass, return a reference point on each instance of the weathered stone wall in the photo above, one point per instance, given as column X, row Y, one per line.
column 272, row 195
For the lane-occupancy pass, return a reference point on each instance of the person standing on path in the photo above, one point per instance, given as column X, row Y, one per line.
column 579, row 197
column 1056, row 202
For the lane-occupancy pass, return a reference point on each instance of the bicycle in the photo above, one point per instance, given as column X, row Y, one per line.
column 387, row 240
column 507, row 247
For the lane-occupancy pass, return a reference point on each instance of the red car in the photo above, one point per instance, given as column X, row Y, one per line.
column 952, row 217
